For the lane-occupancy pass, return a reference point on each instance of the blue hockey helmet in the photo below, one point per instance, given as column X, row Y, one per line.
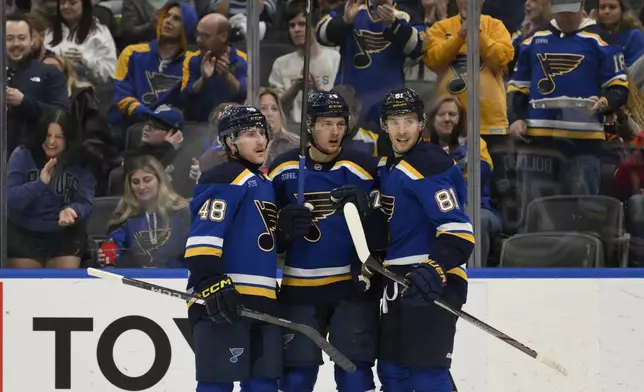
column 402, row 101
column 326, row 104
column 238, row 118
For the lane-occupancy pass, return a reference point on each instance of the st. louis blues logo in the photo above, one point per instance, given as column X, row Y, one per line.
column 236, row 353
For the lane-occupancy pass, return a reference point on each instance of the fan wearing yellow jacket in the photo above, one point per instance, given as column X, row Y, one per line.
column 445, row 52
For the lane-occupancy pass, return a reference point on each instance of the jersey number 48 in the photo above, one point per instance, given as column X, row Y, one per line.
column 214, row 210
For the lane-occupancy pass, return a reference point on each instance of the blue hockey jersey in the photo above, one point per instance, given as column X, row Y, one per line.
column 423, row 195
column 318, row 267
column 631, row 42
column 142, row 76
column 233, row 232
column 553, row 64
column 372, row 54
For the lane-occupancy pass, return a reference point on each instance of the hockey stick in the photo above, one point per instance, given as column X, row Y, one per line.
column 305, row 99
column 310, row 332
column 360, row 242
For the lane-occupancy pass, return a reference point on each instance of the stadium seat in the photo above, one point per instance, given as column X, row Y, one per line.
column 101, row 213
column 106, row 17
column 552, row 249
column 104, row 94
column 601, row 216
column 115, row 182
column 134, row 133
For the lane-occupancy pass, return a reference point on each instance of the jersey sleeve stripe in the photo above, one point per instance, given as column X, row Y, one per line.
column 282, row 167
column 202, row 251
column 464, row 236
column 466, row 227
column 257, row 291
column 619, row 80
column 382, row 162
column 458, row 272
column 205, row 240
column 242, row 177
column 409, row 260
column 409, row 170
column 303, row 282
column 353, row 168
column 315, row 272
column 253, row 280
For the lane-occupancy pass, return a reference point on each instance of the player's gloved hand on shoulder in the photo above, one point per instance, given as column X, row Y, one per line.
column 350, row 194
column 222, row 301
column 427, row 281
column 295, row 221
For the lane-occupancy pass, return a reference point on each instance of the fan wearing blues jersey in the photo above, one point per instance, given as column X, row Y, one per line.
column 422, row 193
column 322, row 285
column 231, row 253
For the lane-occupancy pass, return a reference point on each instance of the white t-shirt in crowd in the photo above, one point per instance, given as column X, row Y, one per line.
column 286, row 69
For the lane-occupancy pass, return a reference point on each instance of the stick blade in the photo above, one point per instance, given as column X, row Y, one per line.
column 102, row 274
column 352, row 217
column 552, row 364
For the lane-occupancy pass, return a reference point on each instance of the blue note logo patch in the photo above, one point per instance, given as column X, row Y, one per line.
column 553, row 65
column 367, row 43
column 268, row 213
column 236, row 353
column 322, row 209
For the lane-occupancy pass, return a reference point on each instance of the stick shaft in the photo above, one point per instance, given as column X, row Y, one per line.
column 305, row 96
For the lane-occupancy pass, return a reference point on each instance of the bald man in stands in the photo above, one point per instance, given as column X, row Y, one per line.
column 216, row 73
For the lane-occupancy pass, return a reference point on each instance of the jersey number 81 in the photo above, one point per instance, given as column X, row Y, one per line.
column 446, row 200
column 214, row 210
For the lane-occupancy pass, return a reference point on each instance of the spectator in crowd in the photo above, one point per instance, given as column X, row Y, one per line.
column 537, row 15
column 286, row 76
column 84, row 114
column 577, row 134
column 145, row 71
column 433, row 11
column 282, row 139
column 235, row 10
column 33, row 89
column 77, row 35
column 214, row 74
column 447, row 128
column 140, row 19
column 214, row 153
column 161, row 138
column 375, row 39
column 624, row 30
column 446, row 54
column 39, row 26
column 49, row 197
column 357, row 137
column 150, row 224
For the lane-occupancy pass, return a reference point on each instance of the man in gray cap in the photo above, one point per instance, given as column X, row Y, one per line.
column 566, row 79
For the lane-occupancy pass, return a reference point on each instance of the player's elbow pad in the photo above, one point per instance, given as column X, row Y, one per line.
column 517, row 106
column 451, row 251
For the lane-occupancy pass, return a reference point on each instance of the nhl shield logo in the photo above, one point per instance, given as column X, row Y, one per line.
column 236, row 353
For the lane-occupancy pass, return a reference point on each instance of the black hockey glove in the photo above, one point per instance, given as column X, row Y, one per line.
column 350, row 194
column 295, row 221
column 427, row 282
column 222, row 301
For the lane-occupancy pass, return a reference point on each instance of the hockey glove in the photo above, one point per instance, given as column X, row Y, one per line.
column 350, row 194
column 295, row 221
column 427, row 282
column 222, row 301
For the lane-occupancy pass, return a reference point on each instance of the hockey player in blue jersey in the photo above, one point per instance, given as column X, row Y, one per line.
column 322, row 285
column 231, row 253
column 422, row 193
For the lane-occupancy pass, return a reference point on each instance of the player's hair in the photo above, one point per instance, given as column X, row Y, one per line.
column 37, row 22
column 70, row 73
column 628, row 20
column 460, row 129
column 86, row 25
column 635, row 105
column 167, row 199
column 296, row 7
